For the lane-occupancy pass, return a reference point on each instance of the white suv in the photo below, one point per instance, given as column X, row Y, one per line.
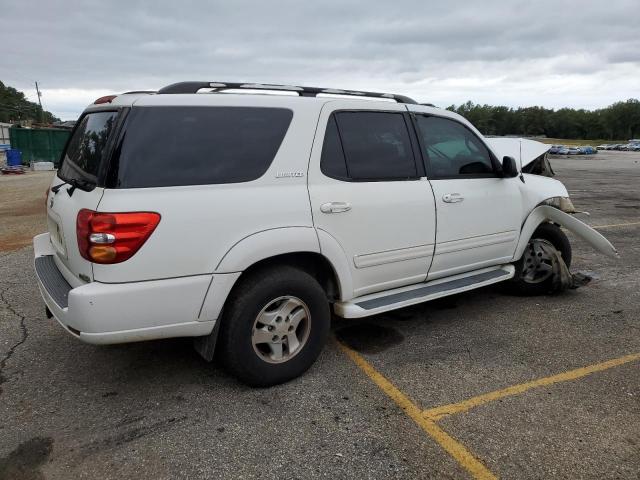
column 246, row 218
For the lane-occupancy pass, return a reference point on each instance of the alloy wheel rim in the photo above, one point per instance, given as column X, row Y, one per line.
column 281, row 329
column 537, row 264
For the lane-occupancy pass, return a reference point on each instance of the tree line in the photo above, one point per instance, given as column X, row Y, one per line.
column 15, row 107
column 620, row 121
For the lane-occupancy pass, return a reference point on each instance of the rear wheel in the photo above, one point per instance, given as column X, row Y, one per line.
column 274, row 327
column 534, row 271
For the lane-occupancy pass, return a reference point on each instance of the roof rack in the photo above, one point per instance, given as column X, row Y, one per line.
column 138, row 91
column 193, row 87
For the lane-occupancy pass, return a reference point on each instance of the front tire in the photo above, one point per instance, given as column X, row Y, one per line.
column 274, row 327
column 533, row 271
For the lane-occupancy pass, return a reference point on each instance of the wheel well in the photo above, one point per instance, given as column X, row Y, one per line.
column 312, row 263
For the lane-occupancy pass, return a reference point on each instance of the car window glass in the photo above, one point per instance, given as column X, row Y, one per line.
column 86, row 147
column 452, row 149
column 169, row 146
column 332, row 162
column 376, row 146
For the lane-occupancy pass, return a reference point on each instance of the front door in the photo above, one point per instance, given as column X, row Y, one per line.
column 369, row 194
column 478, row 211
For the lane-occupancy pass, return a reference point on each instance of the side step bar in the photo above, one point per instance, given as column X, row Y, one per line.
column 402, row 297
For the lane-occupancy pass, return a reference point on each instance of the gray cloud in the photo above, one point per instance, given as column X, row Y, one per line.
column 551, row 53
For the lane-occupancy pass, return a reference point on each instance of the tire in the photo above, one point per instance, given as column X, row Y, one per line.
column 553, row 234
column 268, row 303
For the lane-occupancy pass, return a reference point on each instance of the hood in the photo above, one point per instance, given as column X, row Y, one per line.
column 522, row 149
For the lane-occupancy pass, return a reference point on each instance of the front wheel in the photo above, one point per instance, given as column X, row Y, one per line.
column 534, row 271
column 274, row 327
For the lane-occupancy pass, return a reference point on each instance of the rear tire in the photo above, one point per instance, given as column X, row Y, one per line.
column 274, row 327
column 554, row 235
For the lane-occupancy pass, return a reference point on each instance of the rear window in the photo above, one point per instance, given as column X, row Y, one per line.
column 87, row 147
column 170, row 146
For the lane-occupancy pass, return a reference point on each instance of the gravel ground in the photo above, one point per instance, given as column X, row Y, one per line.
column 22, row 208
column 155, row 410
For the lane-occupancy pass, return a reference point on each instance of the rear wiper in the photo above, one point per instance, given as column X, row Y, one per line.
column 75, row 183
column 81, row 184
column 58, row 187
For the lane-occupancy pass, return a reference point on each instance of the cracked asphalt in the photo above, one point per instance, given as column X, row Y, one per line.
column 155, row 410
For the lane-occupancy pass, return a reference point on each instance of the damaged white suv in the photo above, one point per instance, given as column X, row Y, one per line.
column 243, row 218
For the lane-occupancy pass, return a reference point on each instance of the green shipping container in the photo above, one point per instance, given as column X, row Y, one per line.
column 39, row 144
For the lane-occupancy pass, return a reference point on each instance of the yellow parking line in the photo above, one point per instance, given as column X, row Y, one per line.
column 458, row 451
column 616, row 225
column 437, row 413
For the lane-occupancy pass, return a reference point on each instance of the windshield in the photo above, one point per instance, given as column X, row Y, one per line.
column 86, row 148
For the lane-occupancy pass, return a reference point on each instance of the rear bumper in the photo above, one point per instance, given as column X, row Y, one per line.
column 102, row 313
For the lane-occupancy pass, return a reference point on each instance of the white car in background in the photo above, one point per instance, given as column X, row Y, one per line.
column 245, row 219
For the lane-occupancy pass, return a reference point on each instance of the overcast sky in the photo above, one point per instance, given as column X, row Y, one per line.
column 517, row 53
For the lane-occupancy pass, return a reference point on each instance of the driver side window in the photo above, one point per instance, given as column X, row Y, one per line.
column 452, row 150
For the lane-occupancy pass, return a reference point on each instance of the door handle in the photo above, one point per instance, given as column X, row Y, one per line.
column 335, row 207
column 452, row 198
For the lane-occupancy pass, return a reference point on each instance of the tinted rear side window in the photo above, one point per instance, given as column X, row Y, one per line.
column 376, row 145
column 167, row 146
column 332, row 162
column 87, row 147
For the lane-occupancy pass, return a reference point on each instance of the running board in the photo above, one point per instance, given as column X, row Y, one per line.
column 423, row 292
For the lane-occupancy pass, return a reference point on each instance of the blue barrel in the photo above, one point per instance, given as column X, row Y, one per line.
column 14, row 157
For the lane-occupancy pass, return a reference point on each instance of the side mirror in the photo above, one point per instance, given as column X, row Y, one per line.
column 509, row 168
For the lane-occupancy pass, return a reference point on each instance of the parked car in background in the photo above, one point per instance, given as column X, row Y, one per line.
column 563, row 151
column 554, row 149
column 601, row 147
column 587, row 150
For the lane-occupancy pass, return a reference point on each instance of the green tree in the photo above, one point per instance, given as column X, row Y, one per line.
column 618, row 121
column 14, row 107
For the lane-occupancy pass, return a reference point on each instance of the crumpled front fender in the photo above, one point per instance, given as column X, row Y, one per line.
column 544, row 212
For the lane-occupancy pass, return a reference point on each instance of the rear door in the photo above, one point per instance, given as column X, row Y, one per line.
column 369, row 193
column 76, row 187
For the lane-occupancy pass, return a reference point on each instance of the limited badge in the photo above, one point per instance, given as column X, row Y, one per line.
column 289, row 174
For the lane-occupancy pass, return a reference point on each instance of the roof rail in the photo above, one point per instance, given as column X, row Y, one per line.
column 138, row 91
column 193, row 87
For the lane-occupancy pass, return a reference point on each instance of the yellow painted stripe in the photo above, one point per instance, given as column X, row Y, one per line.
column 437, row 413
column 616, row 225
column 458, row 451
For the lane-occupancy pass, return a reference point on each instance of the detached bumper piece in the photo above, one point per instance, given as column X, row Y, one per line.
column 52, row 280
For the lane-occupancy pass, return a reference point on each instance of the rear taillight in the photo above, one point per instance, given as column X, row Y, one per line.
column 113, row 237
